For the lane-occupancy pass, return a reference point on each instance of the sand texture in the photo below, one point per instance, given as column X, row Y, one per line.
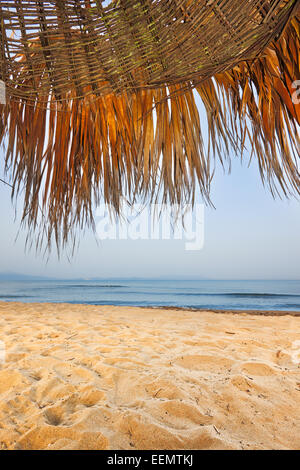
column 89, row 377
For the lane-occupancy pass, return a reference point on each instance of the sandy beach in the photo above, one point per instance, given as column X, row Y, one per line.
column 94, row 377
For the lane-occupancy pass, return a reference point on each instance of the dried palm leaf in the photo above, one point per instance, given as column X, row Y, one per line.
column 99, row 110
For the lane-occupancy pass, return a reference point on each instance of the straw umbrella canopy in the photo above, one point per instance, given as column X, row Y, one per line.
column 100, row 101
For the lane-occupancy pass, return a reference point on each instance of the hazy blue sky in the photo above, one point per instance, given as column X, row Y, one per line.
column 247, row 236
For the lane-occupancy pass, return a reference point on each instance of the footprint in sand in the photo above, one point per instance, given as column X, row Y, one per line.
column 214, row 364
column 258, row 368
column 50, row 390
column 54, row 415
column 90, row 395
column 178, row 414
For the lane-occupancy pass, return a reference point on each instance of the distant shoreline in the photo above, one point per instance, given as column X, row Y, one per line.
column 267, row 313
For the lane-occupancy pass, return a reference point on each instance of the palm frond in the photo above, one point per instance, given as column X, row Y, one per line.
column 85, row 138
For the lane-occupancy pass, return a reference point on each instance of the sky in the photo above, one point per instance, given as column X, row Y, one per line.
column 248, row 235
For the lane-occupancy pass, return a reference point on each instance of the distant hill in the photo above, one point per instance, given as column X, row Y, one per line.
column 10, row 276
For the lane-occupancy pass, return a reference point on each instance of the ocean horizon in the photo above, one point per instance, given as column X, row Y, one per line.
column 194, row 294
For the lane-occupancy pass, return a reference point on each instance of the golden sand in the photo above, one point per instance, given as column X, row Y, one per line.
column 89, row 377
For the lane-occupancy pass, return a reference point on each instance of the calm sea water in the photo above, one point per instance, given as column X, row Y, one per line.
column 263, row 295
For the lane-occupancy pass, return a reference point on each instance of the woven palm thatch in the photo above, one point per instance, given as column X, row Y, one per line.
column 100, row 100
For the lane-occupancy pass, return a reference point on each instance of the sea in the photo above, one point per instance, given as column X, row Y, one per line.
column 194, row 294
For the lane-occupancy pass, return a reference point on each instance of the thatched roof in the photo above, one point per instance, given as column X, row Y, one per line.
column 100, row 99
